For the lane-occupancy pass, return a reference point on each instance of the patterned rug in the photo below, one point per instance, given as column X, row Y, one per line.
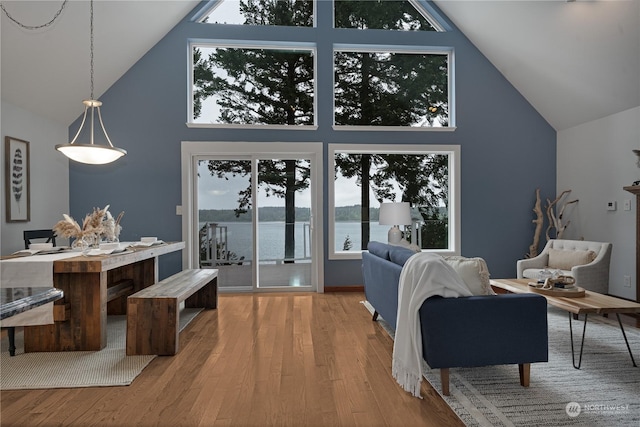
column 604, row 392
column 66, row 369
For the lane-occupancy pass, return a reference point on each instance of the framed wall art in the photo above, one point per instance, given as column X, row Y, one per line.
column 17, row 179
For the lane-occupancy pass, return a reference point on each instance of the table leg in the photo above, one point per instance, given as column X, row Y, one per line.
column 11, row 334
column 626, row 341
column 584, row 330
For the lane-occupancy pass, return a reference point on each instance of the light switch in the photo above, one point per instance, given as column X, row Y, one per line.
column 611, row 206
column 627, row 205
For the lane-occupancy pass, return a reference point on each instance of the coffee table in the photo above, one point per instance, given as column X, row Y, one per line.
column 592, row 302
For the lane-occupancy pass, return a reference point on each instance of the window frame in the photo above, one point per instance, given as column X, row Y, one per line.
column 250, row 44
column 428, row 50
column 453, row 151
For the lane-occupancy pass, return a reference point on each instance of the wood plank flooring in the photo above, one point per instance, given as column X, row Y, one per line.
column 258, row 360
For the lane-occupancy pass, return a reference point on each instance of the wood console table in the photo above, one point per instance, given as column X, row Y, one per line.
column 85, row 281
column 635, row 189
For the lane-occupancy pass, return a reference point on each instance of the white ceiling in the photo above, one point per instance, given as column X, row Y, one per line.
column 574, row 61
column 47, row 71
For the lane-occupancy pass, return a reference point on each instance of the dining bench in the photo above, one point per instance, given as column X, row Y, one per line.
column 153, row 323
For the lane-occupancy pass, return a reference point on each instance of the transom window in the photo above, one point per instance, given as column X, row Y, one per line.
column 382, row 15
column 292, row 13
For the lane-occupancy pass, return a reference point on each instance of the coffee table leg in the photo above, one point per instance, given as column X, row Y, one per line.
column 584, row 330
column 625, row 340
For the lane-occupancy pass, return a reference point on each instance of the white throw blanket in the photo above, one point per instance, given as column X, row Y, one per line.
column 424, row 275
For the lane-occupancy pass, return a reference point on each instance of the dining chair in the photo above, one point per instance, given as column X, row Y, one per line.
column 29, row 235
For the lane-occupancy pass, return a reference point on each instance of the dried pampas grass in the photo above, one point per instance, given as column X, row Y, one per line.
column 98, row 223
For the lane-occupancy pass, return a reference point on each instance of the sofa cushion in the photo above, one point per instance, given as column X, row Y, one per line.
column 399, row 255
column 379, row 249
column 565, row 260
column 473, row 272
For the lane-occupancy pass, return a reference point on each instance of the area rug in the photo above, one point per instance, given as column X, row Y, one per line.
column 604, row 392
column 67, row 369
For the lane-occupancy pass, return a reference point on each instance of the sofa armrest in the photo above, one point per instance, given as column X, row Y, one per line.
column 381, row 278
column 593, row 277
column 484, row 330
column 540, row 261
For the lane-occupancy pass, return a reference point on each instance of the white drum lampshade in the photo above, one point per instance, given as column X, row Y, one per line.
column 394, row 214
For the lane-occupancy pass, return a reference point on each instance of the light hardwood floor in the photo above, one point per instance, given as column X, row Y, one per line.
column 258, row 360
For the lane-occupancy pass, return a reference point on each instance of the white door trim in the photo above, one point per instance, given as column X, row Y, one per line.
column 190, row 150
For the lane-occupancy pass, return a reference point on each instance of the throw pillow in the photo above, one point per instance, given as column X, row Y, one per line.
column 474, row 273
column 565, row 260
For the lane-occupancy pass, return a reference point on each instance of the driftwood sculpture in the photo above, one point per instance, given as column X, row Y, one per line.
column 533, row 249
column 554, row 216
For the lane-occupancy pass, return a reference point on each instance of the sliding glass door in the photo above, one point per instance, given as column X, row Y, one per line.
column 255, row 220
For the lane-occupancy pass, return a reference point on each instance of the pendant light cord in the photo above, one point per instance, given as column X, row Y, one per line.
column 91, row 48
column 34, row 27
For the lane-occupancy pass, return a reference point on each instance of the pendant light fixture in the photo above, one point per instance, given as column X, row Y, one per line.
column 91, row 153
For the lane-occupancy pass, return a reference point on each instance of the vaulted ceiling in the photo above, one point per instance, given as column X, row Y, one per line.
column 574, row 61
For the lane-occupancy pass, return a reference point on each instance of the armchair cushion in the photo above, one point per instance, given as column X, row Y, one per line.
column 566, row 260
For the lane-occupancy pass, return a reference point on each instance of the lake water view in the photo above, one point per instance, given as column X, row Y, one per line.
column 271, row 238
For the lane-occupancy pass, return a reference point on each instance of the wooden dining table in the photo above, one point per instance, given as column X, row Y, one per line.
column 94, row 287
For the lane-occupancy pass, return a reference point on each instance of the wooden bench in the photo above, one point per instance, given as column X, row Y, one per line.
column 153, row 313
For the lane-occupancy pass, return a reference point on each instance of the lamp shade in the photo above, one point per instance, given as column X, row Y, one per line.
column 90, row 153
column 395, row 213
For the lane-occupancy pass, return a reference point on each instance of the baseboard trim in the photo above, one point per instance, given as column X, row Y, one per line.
column 358, row 288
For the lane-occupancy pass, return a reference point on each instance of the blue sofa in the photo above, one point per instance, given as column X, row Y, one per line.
column 461, row 332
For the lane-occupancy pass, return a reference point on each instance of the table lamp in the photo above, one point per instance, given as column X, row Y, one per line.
column 394, row 214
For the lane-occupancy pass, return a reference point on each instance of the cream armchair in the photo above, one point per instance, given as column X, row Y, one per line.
column 587, row 262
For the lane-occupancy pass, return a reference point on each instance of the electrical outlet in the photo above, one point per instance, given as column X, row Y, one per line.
column 627, row 281
column 612, row 206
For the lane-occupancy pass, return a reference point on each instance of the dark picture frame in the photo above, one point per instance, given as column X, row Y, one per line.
column 17, row 179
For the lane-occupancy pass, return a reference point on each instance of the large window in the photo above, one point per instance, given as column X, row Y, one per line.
column 336, row 71
column 252, row 85
column 391, row 88
column 424, row 176
column 270, row 80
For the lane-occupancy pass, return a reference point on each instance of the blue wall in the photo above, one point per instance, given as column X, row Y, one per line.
column 507, row 149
